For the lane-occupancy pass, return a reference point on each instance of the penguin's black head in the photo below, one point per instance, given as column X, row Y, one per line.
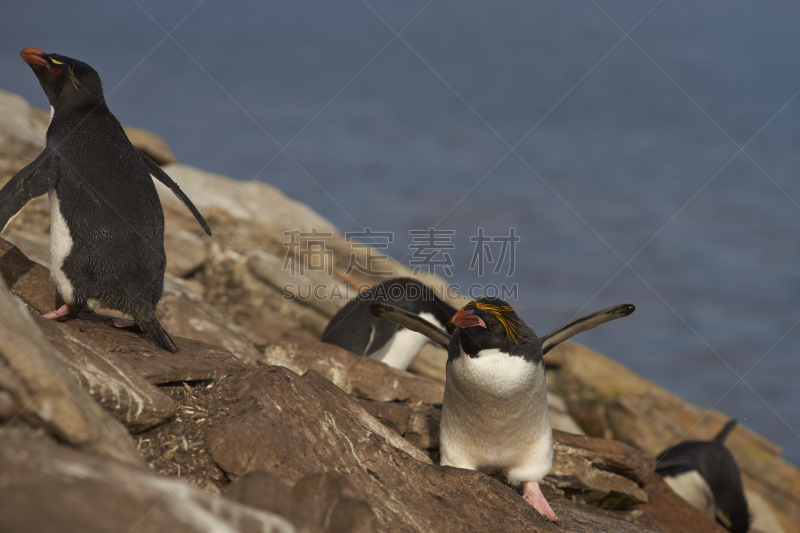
column 67, row 82
column 488, row 323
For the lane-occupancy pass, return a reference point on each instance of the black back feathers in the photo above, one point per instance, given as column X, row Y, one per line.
column 107, row 230
column 712, row 460
column 356, row 329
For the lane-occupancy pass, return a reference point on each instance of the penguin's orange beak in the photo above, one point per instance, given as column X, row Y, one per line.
column 467, row 319
column 32, row 56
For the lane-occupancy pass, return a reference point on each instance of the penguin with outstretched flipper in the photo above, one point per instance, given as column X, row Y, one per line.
column 107, row 223
column 495, row 417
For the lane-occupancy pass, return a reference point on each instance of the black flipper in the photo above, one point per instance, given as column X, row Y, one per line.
column 164, row 178
column 411, row 321
column 725, row 431
column 31, row 182
column 381, row 332
column 152, row 327
column 585, row 323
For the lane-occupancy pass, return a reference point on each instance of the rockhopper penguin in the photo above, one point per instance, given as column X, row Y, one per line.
column 107, row 224
column 705, row 474
column 495, row 417
column 354, row 328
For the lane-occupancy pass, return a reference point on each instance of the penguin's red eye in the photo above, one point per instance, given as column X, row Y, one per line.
column 55, row 71
column 491, row 326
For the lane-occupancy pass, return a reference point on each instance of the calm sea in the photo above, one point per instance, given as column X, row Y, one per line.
column 643, row 152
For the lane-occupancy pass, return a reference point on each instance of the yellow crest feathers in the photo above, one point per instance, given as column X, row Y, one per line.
column 501, row 313
column 72, row 77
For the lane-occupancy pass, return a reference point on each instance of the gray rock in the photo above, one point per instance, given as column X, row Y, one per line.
column 21, row 133
column 330, row 293
column 267, row 492
column 27, row 280
column 50, row 488
column 609, row 455
column 111, row 382
column 248, row 201
column 183, row 312
column 152, row 145
column 263, row 326
column 186, row 251
column 611, row 400
column 356, row 375
column 579, row 479
column 417, row 422
column 44, row 392
column 333, row 504
column 293, row 426
column 195, row 361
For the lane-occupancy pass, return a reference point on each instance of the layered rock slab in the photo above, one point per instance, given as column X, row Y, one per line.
column 293, row 426
column 184, row 312
column 608, row 399
column 41, row 391
column 358, row 376
column 52, row 488
column 109, row 379
column 195, row 360
column 28, row 280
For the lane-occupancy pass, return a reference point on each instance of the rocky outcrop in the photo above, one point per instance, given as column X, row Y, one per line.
column 109, row 379
column 53, row 488
column 184, row 312
column 255, row 425
column 41, row 392
column 611, row 401
column 359, row 376
column 352, row 470
column 27, row 279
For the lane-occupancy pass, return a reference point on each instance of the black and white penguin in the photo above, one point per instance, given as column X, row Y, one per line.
column 356, row 329
column 107, row 224
column 705, row 474
column 495, row 417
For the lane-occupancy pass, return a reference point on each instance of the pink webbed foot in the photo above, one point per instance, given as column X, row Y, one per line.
column 533, row 495
column 64, row 310
column 123, row 323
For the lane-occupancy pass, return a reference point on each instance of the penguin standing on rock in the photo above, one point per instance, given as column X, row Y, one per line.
column 354, row 328
column 495, row 417
column 107, row 224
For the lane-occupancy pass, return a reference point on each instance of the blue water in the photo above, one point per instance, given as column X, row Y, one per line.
column 627, row 183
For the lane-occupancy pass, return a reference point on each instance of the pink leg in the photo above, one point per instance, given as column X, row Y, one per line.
column 533, row 495
column 123, row 323
column 64, row 310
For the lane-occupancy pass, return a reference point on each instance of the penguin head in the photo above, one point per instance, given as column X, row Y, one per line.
column 67, row 82
column 488, row 323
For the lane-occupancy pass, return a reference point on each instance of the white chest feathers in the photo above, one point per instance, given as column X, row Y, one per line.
column 495, row 416
column 404, row 346
column 694, row 489
column 60, row 247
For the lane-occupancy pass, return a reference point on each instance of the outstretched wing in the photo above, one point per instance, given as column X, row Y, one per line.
column 164, row 178
column 551, row 340
column 411, row 321
column 34, row 180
